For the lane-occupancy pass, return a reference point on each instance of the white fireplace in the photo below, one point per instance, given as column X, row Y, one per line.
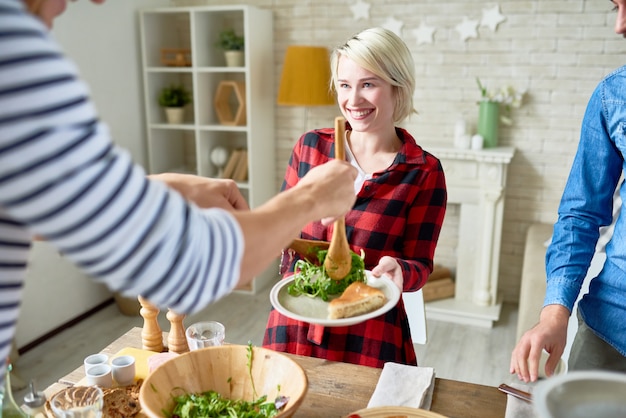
column 476, row 180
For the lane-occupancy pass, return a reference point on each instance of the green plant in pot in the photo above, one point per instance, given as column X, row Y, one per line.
column 173, row 99
column 233, row 46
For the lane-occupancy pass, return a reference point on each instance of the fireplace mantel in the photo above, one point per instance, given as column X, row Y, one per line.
column 476, row 180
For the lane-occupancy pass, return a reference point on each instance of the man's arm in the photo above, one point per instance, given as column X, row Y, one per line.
column 327, row 191
column 205, row 192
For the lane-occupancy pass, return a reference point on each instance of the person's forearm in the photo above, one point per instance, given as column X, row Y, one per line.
column 203, row 191
column 326, row 191
column 271, row 227
column 555, row 314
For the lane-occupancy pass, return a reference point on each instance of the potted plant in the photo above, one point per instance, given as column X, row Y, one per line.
column 489, row 114
column 233, row 45
column 173, row 99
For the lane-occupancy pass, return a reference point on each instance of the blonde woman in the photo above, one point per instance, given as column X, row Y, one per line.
column 401, row 199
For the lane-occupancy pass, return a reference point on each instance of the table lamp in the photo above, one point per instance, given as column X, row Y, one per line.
column 305, row 78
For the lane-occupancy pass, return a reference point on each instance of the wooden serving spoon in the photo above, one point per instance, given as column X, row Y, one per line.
column 308, row 248
column 338, row 261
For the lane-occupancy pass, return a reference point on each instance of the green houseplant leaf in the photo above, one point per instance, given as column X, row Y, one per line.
column 174, row 96
column 230, row 41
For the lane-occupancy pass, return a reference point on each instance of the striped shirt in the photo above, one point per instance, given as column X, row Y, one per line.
column 63, row 179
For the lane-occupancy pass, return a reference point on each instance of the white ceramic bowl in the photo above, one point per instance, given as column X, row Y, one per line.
column 581, row 394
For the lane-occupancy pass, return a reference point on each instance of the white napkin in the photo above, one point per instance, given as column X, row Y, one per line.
column 517, row 408
column 402, row 385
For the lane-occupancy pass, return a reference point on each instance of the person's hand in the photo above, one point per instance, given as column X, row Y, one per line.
column 549, row 334
column 205, row 192
column 332, row 186
column 48, row 10
column 390, row 266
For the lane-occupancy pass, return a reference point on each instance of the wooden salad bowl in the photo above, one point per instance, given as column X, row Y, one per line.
column 224, row 369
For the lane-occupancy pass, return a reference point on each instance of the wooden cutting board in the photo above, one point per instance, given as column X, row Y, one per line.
column 141, row 360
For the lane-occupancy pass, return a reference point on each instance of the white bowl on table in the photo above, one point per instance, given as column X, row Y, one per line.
column 581, row 394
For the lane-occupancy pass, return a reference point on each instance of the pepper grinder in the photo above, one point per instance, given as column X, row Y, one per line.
column 151, row 334
column 176, row 339
column 35, row 401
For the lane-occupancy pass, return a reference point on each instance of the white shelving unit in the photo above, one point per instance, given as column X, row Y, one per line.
column 187, row 147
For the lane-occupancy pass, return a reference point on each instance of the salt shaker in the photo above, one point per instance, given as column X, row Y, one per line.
column 35, row 401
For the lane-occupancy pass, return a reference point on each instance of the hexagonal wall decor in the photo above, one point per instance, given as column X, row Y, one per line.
column 230, row 102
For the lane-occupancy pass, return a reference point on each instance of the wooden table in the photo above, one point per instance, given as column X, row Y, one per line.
column 336, row 389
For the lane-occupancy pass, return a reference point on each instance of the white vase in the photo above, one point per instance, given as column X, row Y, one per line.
column 175, row 115
column 477, row 142
column 234, row 58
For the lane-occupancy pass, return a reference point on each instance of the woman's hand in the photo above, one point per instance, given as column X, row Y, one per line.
column 389, row 266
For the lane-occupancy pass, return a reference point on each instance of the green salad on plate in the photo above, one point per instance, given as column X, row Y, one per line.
column 312, row 280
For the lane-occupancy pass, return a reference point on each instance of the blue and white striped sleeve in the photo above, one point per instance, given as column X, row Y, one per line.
column 62, row 178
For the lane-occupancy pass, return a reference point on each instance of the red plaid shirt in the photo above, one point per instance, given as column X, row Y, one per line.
column 398, row 213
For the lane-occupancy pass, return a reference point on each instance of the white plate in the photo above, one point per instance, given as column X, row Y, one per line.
column 394, row 411
column 315, row 310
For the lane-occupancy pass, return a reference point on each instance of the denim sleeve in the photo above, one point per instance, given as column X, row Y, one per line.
column 587, row 200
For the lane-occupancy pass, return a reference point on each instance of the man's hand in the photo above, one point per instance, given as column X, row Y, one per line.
column 205, row 192
column 331, row 187
column 549, row 334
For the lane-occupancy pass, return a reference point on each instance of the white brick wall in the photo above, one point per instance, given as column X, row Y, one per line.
column 556, row 49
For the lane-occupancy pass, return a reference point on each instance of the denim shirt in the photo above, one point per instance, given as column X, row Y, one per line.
column 586, row 205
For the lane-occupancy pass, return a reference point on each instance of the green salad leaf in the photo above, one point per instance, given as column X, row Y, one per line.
column 211, row 404
column 249, row 365
column 313, row 281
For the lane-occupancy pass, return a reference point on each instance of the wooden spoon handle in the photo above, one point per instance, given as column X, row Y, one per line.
column 340, row 133
column 338, row 259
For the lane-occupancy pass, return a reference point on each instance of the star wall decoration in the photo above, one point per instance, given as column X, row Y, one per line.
column 360, row 10
column 424, row 34
column 393, row 25
column 492, row 18
column 467, row 29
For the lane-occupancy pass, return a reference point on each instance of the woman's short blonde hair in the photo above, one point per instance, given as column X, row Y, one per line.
column 383, row 53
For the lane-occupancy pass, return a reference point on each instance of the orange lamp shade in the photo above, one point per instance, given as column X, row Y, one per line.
column 305, row 78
